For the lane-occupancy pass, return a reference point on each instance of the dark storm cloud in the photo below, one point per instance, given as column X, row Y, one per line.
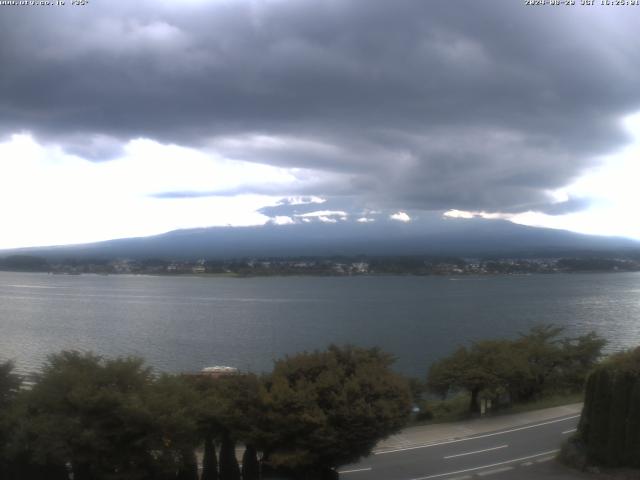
column 413, row 104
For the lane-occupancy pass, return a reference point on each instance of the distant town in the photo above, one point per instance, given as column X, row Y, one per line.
column 334, row 266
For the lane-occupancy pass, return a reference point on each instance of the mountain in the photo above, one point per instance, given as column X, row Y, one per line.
column 428, row 235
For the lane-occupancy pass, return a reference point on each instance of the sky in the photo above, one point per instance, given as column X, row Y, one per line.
column 122, row 119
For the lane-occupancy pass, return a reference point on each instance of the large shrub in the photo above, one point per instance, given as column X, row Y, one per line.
column 520, row 370
column 329, row 408
column 610, row 424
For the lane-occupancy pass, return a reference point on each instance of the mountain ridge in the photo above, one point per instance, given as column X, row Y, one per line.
column 424, row 236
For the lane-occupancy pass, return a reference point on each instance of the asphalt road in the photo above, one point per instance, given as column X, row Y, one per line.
column 516, row 453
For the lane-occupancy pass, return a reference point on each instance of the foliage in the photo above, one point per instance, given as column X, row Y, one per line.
column 9, row 384
column 105, row 418
column 250, row 465
column 325, row 409
column 209, row 460
column 491, row 368
column 228, row 405
column 229, row 468
column 451, row 409
column 173, row 436
column 610, row 422
column 580, row 356
column 24, row 263
column 519, row 370
column 91, row 414
column 9, row 388
column 188, row 469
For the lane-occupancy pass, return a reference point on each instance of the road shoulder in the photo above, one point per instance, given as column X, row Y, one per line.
column 427, row 434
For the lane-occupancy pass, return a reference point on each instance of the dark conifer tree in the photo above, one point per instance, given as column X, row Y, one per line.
column 209, row 461
column 610, row 421
column 632, row 450
column 250, row 465
column 229, row 468
column 622, row 384
column 35, row 471
column 599, row 428
column 188, row 466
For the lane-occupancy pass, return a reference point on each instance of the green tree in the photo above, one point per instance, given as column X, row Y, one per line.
column 580, row 355
column 209, row 459
column 326, row 409
column 171, row 402
column 517, row 370
column 541, row 347
column 250, row 465
column 556, row 363
column 9, row 389
column 107, row 419
column 24, row 263
column 229, row 408
column 610, row 422
column 229, row 468
column 90, row 413
column 188, row 469
column 9, row 384
column 491, row 368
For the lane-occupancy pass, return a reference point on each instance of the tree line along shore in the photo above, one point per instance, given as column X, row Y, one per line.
column 88, row 417
column 328, row 266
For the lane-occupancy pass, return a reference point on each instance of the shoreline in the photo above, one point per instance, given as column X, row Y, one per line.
column 323, row 275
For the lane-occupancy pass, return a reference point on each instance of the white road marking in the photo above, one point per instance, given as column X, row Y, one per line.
column 355, row 470
column 526, row 464
column 427, row 445
column 477, row 451
column 486, row 466
column 495, row 470
column 545, row 459
column 569, row 431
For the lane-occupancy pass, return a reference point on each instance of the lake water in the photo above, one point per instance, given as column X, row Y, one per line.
column 186, row 323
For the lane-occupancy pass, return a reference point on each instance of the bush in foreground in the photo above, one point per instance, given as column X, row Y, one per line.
column 517, row 371
column 330, row 408
column 91, row 418
column 609, row 426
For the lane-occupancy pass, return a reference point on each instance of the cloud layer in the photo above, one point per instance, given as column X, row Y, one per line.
column 403, row 105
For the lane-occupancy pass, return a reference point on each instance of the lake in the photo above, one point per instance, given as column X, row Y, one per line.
column 184, row 323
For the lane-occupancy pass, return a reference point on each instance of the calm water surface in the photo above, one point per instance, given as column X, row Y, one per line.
column 186, row 323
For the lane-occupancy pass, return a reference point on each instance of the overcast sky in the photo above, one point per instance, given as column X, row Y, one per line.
column 128, row 118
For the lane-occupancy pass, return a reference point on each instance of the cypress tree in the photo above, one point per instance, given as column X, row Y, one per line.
column 330, row 474
column 188, row 466
column 81, row 471
column 250, row 465
column 50, row 471
column 610, row 422
column 584, row 425
column 632, row 445
column 209, row 461
column 229, row 468
column 621, row 392
column 599, row 429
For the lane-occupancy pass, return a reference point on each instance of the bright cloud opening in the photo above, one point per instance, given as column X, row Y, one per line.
column 50, row 197
column 400, row 217
column 282, row 220
column 613, row 190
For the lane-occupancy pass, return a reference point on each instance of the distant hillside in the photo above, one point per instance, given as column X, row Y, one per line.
column 426, row 236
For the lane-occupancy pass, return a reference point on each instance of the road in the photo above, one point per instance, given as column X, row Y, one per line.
column 519, row 452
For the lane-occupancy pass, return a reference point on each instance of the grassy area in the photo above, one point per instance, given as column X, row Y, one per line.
column 555, row 400
column 441, row 411
column 457, row 408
